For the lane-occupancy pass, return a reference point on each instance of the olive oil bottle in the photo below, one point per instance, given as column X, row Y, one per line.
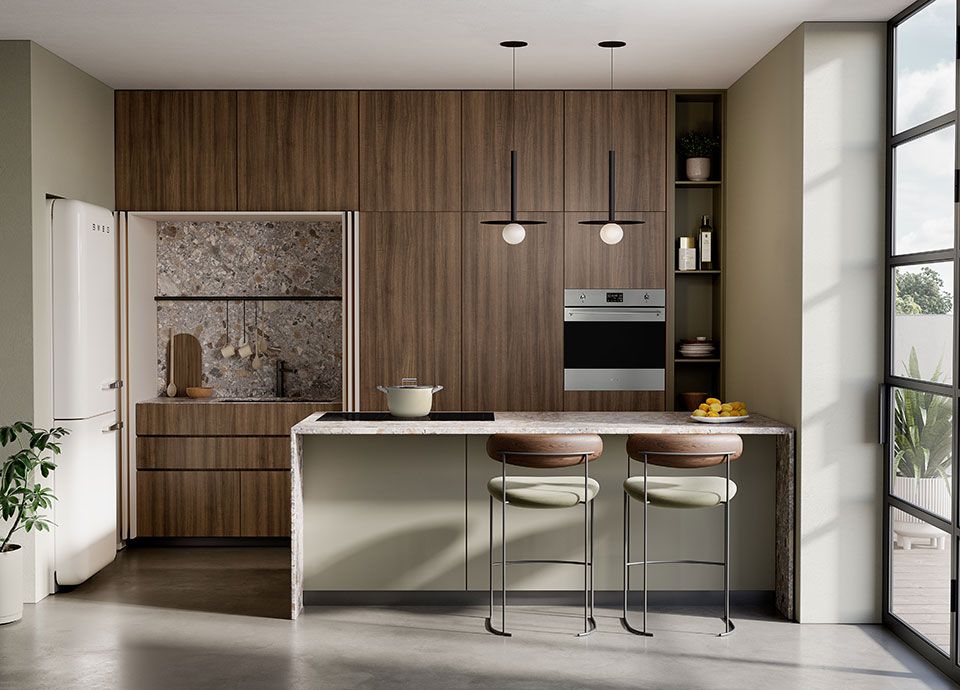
column 706, row 245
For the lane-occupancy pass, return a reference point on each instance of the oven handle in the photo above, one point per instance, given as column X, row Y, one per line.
column 607, row 314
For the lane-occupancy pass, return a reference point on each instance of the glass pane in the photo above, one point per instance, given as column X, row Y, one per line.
column 920, row 578
column 925, row 64
column 923, row 322
column 922, row 450
column 923, row 193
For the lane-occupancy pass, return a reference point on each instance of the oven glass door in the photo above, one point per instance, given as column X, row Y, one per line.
column 614, row 345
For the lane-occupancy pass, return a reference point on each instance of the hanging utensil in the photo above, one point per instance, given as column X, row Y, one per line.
column 244, row 350
column 228, row 350
column 256, row 337
column 171, row 386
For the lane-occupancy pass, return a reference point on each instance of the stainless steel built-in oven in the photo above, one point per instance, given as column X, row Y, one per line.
column 614, row 340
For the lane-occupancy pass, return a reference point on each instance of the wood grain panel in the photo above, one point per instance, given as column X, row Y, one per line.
column 613, row 401
column 298, row 150
column 176, row 150
column 631, row 122
column 410, row 151
column 188, row 504
column 186, row 363
column 637, row 261
column 189, row 418
column 213, row 453
column 265, row 504
column 410, row 304
column 513, row 316
column 493, row 123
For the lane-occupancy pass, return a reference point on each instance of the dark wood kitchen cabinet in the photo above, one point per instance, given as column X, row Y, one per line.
column 637, row 261
column 513, row 316
column 530, row 122
column 298, row 150
column 176, row 150
column 410, row 151
column 634, row 124
column 410, row 304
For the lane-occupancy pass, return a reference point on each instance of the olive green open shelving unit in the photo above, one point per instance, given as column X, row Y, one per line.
column 694, row 298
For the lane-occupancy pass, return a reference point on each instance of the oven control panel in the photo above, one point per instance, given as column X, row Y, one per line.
column 614, row 298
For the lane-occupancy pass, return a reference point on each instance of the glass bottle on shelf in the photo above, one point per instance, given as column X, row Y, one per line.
column 686, row 254
column 705, row 245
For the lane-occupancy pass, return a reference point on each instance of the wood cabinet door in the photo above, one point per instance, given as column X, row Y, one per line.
column 176, row 150
column 265, row 504
column 494, row 122
column 410, row 151
column 613, row 401
column 188, row 504
column 410, row 304
column 639, row 260
column 513, row 316
column 634, row 124
column 298, row 150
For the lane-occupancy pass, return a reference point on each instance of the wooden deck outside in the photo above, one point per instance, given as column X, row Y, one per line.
column 921, row 591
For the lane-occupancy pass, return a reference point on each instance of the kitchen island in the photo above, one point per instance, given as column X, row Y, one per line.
column 603, row 423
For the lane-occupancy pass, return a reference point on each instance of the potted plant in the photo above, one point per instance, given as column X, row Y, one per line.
column 21, row 499
column 923, row 435
column 697, row 148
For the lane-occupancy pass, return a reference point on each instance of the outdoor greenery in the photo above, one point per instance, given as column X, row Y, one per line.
column 923, row 429
column 20, row 497
column 922, row 292
column 698, row 144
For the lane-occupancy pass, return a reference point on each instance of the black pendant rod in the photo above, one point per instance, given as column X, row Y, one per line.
column 513, row 186
column 613, row 184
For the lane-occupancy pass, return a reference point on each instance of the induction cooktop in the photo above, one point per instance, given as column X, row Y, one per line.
column 387, row 417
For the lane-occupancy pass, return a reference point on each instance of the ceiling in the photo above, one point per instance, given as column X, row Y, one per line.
column 416, row 43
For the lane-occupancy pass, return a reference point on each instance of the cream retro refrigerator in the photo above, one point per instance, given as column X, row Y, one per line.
column 85, row 383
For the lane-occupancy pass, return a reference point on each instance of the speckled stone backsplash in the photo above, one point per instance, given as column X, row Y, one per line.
column 249, row 258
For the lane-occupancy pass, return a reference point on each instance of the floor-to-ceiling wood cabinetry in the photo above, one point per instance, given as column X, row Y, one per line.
column 176, row 150
column 298, row 150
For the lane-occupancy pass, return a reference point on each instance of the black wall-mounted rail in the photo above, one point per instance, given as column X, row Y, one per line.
column 248, row 298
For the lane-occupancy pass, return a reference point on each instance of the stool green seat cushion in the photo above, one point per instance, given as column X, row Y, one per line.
column 681, row 492
column 543, row 492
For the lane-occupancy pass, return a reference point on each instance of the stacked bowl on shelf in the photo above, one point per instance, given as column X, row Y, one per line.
column 697, row 348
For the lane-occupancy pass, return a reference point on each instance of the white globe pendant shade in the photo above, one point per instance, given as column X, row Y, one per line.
column 611, row 233
column 514, row 233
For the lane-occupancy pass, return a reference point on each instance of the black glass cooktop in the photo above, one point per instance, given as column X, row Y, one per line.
column 387, row 417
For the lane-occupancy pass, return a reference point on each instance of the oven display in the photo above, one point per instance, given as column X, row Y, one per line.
column 615, row 297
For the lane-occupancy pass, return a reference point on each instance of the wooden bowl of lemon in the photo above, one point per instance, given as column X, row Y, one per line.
column 714, row 411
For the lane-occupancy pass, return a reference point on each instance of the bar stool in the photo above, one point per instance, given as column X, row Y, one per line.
column 543, row 451
column 681, row 451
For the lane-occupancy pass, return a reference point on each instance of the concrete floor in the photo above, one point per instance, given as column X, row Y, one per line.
column 190, row 617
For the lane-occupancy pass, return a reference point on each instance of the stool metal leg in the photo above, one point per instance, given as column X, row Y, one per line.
column 626, row 557
column 589, row 625
column 726, row 554
column 488, row 623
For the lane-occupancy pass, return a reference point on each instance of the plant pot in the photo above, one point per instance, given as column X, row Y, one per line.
column 698, row 169
column 929, row 493
column 11, row 584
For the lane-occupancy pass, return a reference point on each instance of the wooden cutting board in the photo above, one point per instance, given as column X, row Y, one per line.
column 187, row 362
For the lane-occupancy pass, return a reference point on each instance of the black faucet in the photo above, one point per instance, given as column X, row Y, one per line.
column 280, row 388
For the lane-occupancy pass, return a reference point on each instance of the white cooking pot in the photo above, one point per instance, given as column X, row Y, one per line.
column 408, row 399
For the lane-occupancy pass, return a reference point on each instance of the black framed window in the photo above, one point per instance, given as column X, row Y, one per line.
column 921, row 388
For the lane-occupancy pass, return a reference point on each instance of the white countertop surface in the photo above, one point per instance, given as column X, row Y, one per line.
column 549, row 423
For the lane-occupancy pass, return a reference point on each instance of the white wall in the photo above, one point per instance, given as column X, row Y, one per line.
column 810, row 229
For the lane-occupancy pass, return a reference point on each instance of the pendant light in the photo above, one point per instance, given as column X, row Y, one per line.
column 611, row 231
column 513, row 230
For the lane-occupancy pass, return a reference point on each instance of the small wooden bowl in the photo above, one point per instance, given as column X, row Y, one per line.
column 199, row 392
column 690, row 400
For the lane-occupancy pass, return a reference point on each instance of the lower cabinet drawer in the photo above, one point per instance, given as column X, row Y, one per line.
column 265, row 504
column 188, row 504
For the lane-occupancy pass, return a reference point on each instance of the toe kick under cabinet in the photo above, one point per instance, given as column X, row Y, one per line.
column 215, row 469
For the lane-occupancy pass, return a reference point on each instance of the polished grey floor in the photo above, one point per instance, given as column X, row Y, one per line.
column 193, row 617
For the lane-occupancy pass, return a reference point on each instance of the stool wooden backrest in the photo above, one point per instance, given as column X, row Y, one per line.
column 553, row 450
column 705, row 450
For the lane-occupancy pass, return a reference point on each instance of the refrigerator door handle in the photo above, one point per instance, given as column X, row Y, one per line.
column 112, row 428
column 113, row 385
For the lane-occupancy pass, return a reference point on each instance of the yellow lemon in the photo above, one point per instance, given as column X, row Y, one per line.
column 726, row 407
column 712, row 401
column 704, row 407
column 699, row 413
column 715, row 407
column 738, row 404
column 713, row 414
column 726, row 414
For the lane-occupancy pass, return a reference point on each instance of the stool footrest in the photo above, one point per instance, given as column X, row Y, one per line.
column 682, row 560
column 541, row 560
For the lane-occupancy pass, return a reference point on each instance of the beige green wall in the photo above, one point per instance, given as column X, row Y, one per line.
column 59, row 139
column 805, row 173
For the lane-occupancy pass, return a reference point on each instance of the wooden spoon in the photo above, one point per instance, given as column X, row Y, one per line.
column 171, row 387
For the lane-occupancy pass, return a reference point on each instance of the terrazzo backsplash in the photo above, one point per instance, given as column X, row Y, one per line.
column 249, row 258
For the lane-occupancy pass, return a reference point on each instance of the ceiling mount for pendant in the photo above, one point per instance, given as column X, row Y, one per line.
column 513, row 231
column 611, row 231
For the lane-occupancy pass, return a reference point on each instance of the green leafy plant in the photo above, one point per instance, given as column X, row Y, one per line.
column 921, row 292
column 698, row 144
column 20, row 498
column 923, row 427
